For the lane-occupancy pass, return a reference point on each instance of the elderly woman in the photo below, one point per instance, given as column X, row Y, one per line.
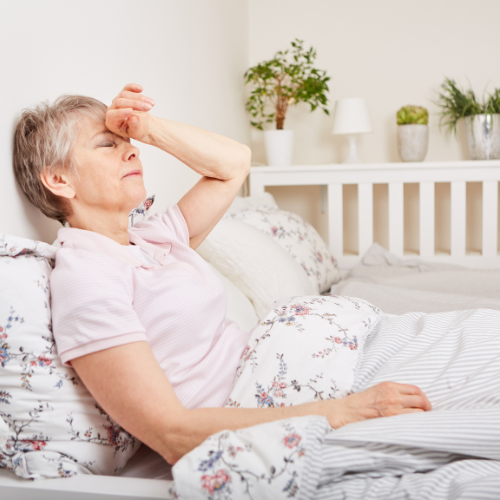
column 137, row 312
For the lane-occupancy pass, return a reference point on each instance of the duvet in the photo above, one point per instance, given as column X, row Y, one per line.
column 307, row 348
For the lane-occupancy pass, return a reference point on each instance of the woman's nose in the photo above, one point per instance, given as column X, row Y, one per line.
column 131, row 153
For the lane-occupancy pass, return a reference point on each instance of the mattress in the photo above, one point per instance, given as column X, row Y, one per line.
column 399, row 286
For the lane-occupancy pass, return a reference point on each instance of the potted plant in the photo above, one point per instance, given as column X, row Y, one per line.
column 482, row 120
column 413, row 133
column 287, row 79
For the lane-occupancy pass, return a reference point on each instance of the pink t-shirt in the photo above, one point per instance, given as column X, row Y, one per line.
column 104, row 296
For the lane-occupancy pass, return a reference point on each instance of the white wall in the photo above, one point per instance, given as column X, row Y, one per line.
column 392, row 53
column 189, row 55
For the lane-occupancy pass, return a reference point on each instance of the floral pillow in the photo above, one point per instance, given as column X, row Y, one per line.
column 297, row 237
column 304, row 349
column 139, row 214
column 50, row 425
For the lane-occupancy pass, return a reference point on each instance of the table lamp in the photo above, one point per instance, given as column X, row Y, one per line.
column 351, row 118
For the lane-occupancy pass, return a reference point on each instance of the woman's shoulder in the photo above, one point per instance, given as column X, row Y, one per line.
column 80, row 265
column 163, row 227
column 80, row 246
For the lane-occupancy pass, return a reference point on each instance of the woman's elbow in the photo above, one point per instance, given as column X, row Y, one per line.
column 179, row 438
column 245, row 158
column 172, row 458
column 174, row 447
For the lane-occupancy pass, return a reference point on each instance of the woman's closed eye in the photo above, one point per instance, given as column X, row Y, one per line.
column 107, row 145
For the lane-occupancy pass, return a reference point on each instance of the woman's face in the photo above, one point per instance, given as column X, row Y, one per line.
column 109, row 171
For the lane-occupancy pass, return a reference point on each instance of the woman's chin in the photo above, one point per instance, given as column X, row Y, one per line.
column 136, row 197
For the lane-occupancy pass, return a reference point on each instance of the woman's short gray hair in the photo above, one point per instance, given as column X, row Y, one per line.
column 44, row 137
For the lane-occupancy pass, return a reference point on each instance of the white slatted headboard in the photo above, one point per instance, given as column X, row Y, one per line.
column 333, row 177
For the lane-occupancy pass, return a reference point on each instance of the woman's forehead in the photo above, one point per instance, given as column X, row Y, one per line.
column 90, row 129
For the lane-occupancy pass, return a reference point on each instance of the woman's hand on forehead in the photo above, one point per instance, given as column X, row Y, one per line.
column 128, row 116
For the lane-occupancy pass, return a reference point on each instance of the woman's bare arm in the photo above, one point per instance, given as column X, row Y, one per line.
column 130, row 385
column 223, row 162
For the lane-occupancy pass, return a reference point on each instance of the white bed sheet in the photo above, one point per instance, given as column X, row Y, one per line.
column 399, row 286
column 147, row 464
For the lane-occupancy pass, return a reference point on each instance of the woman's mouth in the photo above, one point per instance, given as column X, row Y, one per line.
column 133, row 173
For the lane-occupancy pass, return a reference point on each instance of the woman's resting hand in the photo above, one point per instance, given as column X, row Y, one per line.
column 130, row 385
column 128, row 115
column 382, row 400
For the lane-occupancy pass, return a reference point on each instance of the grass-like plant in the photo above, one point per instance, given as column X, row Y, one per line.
column 412, row 115
column 456, row 103
column 287, row 79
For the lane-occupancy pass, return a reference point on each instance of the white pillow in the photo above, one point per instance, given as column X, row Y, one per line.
column 259, row 200
column 297, row 237
column 50, row 425
column 257, row 265
column 239, row 307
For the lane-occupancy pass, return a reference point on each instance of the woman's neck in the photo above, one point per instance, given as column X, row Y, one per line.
column 113, row 226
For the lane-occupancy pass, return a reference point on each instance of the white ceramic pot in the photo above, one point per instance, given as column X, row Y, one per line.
column 279, row 147
column 413, row 141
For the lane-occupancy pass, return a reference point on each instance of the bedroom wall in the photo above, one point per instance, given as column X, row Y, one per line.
column 188, row 55
column 390, row 52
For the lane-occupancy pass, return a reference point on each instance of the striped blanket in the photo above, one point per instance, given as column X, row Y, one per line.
column 452, row 452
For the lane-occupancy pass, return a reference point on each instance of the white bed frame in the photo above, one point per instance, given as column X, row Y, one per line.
column 82, row 488
column 332, row 178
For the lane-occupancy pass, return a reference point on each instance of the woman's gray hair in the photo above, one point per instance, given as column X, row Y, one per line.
column 44, row 137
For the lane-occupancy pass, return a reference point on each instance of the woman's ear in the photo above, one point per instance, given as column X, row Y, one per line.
column 57, row 182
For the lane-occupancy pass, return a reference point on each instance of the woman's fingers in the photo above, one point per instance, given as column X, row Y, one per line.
column 128, row 114
column 416, row 402
column 136, row 104
column 131, row 97
column 128, row 122
column 392, row 396
column 410, row 389
column 410, row 410
column 125, row 94
column 415, row 396
column 120, row 114
column 116, row 119
column 133, row 87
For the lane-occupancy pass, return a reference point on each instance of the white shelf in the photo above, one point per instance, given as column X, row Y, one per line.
column 359, row 167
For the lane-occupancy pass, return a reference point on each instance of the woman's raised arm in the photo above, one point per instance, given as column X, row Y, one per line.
column 130, row 385
column 223, row 162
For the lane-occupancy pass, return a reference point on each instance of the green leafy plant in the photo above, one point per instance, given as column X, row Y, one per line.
column 412, row 115
column 456, row 103
column 494, row 102
column 286, row 79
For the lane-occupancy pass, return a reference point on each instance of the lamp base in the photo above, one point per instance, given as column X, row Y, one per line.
column 352, row 157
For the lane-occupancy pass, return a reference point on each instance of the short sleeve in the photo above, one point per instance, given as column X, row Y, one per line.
column 164, row 227
column 92, row 304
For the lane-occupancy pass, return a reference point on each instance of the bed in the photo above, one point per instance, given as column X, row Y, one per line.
column 396, row 284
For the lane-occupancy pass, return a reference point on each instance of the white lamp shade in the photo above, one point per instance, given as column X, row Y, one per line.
column 351, row 117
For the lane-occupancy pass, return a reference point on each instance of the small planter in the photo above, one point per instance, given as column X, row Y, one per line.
column 279, row 147
column 413, row 141
column 483, row 134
